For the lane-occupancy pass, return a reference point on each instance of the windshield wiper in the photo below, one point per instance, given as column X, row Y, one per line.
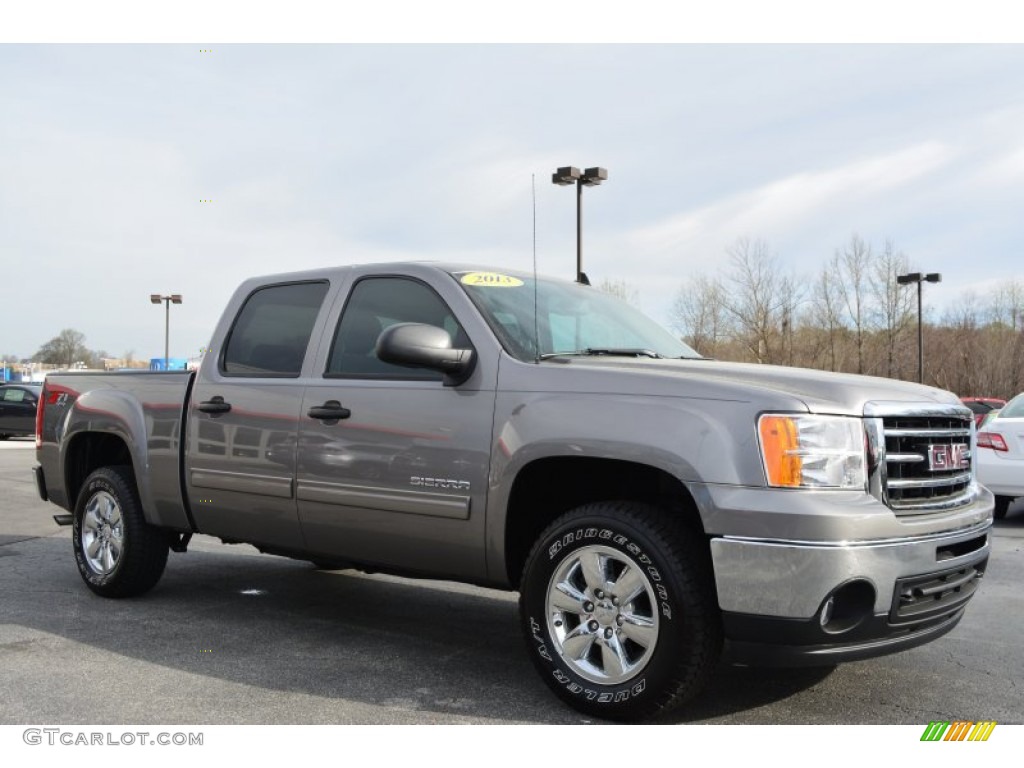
column 611, row 351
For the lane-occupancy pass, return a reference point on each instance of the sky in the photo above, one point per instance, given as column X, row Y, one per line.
column 332, row 154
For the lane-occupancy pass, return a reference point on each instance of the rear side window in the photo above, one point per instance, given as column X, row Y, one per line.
column 272, row 330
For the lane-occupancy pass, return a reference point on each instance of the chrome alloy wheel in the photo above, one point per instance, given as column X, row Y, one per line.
column 602, row 614
column 102, row 533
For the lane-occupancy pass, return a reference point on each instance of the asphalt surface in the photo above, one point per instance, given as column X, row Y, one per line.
column 231, row 636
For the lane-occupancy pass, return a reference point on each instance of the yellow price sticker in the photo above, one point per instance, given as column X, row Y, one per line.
column 491, row 280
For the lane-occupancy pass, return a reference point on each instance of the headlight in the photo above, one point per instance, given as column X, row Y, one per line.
column 812, row 451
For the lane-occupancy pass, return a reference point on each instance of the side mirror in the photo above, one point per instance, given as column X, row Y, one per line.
column 415, row 345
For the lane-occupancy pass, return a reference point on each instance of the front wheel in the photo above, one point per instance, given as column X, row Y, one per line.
column 118, row 553
column 618, row 608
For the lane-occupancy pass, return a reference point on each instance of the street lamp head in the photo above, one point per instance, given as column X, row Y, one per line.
column 933, row 277
column 594, row 176
column 176, row 298
column 911, row 277
column 564, row 176
column 155, row 298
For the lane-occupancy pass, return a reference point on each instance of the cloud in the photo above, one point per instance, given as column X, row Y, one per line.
column 787, row 203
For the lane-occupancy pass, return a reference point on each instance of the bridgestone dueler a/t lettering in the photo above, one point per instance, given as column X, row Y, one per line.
column 618, row 610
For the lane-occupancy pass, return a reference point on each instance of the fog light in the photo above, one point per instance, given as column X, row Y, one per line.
column 847, row 606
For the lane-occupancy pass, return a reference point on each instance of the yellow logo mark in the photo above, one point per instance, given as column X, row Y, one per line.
column 491, row 280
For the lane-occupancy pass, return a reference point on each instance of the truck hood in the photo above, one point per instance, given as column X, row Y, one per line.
column 818, row 391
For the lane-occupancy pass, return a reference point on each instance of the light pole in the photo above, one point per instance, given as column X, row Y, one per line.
column 591, row 177
column 919, row 278
column 174, row 298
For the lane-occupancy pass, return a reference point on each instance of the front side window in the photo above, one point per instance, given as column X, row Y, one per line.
column 376, row 304
column 272, row 330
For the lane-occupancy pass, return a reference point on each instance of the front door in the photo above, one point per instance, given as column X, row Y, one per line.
column 392, row 465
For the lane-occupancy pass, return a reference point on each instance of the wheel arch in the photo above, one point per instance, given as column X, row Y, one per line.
column 88, row 451
column 548, row 487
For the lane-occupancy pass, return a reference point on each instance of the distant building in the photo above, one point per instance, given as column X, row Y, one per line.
column 173, row 364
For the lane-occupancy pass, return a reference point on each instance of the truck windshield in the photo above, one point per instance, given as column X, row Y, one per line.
column 571, row 319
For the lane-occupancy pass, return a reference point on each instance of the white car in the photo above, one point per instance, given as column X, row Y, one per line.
column 1001, row 455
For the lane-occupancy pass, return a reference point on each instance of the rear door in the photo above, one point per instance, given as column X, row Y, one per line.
column 243, row 422
column 399, row 475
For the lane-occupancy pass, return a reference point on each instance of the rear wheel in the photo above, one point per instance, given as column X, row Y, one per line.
column 619, row 612
column 118, row 553
column 1002, row 506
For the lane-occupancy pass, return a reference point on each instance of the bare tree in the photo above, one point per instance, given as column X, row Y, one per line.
column 826, row 313
column 851, row 268
column 1007, row 306
column 1004, row 341
column 699, row 314
column 893, row 306
column 760, row 300
column 957, row 367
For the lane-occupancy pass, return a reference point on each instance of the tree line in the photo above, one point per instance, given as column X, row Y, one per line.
column 67, row 349
column 854, row 317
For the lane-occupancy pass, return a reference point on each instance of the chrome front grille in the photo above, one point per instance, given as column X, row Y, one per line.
column 922, row 460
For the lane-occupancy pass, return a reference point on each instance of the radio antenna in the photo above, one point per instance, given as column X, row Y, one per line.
column 536, row 321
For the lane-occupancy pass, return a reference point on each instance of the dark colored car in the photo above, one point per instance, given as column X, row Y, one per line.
column 980, row 406
column 18, row 409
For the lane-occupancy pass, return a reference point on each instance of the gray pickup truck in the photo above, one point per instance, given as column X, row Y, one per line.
column 657, row 511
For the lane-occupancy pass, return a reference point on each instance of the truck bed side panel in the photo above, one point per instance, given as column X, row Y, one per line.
column 144, row 410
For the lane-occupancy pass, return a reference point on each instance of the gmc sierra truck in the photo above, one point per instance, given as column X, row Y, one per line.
column 657, row 511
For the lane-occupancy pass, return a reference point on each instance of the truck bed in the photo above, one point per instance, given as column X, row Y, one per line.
column 79, row 408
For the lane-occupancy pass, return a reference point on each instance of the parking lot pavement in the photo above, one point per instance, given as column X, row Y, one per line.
column 231, row 636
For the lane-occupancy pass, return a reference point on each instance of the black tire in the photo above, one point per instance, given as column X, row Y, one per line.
column 1002, row 506
column 4, row 437
column 675, row 612
column 118, row 553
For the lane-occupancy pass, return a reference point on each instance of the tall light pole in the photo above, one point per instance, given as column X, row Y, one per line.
column 919, row 278
column 589, row 178
column 174, row 298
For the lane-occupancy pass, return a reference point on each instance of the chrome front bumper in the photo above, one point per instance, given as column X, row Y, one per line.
column 792, row 579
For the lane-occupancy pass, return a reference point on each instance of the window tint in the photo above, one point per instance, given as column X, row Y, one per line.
column 1014, row 409
column 271, row 332
column 378, row 303
column 15, row 396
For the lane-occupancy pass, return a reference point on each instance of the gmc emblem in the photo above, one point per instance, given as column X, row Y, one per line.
column 945, row 457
